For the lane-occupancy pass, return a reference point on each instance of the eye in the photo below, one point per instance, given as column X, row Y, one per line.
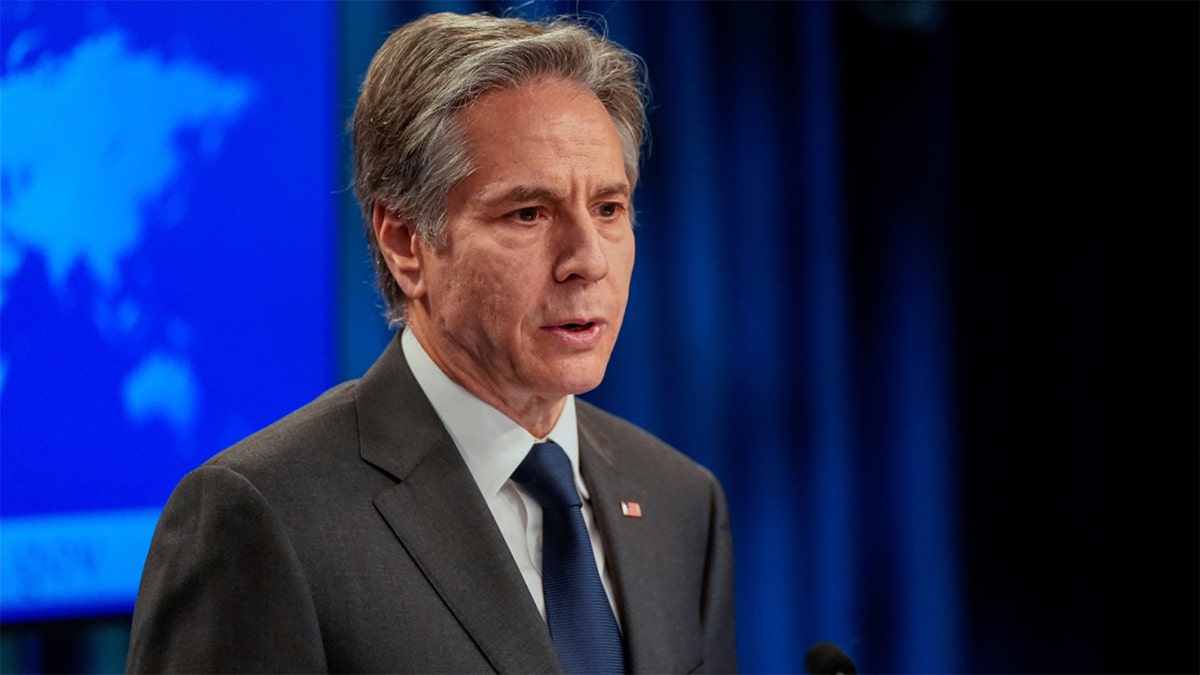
column 609, row 210
column 527, row 214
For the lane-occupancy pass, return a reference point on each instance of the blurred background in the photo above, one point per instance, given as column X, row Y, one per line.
column 916, row 280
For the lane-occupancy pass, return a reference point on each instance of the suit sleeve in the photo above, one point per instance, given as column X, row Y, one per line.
column 223, row 589
column 720, row 634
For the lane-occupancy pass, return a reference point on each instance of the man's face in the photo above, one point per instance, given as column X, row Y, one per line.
column 523, row 303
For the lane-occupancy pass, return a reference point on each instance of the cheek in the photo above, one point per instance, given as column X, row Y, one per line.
column 493, row 299
column 622, row 268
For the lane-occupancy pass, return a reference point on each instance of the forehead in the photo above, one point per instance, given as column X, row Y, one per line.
column 547, row 121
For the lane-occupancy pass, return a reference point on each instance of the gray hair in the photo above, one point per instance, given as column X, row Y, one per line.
column 408, row 143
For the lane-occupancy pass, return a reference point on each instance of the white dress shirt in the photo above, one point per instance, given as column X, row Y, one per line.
column 493, row 446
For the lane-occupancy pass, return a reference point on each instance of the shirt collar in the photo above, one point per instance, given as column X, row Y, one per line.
column 491, row 443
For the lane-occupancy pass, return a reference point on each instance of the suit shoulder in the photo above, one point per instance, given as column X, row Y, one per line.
column 618, row 428
column 638, row 450
column 328, row 421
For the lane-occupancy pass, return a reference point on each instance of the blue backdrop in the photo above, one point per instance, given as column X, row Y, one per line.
column 168, row 251
column 904, row 278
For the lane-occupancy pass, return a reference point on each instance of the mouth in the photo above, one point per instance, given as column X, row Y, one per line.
column 577, row 327
column 577, row 333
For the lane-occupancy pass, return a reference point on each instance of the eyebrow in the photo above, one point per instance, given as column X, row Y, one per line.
column 524, row 193
column 614, row 190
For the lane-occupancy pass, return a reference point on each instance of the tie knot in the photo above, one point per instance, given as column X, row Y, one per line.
column 546, row 474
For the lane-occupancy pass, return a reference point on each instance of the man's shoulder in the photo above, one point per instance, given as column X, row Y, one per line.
column 325, row 423
column 598, row 420
column 638, row 451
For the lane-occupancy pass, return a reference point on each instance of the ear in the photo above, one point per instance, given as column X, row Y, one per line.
column 402, row 249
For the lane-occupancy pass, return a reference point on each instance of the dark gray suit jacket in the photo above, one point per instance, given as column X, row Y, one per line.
column 350, row 537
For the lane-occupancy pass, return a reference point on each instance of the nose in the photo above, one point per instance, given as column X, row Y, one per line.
column 580, row 252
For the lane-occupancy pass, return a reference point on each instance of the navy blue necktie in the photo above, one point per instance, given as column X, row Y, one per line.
column 581, row 620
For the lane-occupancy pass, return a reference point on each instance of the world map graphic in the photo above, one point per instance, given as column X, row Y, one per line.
column 90, row 146
column 168, row 194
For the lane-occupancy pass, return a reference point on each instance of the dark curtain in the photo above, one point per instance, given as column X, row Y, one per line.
column 904, row 273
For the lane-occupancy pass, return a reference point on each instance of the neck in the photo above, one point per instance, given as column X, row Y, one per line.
column 535, row 413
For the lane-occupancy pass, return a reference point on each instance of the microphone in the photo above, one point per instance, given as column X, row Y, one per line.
column 826, row 658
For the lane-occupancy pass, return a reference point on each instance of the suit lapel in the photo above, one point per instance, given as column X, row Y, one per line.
column 630, row 546
column 441, row 519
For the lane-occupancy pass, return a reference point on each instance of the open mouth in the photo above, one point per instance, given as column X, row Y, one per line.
column 577, row 327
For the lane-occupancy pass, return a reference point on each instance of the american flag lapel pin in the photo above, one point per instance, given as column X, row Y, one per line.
column 631, row 509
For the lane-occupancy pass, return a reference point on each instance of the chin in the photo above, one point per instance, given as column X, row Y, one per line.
column 578, row 381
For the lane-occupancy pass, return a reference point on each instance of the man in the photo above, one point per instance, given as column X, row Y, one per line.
column 456, row 509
